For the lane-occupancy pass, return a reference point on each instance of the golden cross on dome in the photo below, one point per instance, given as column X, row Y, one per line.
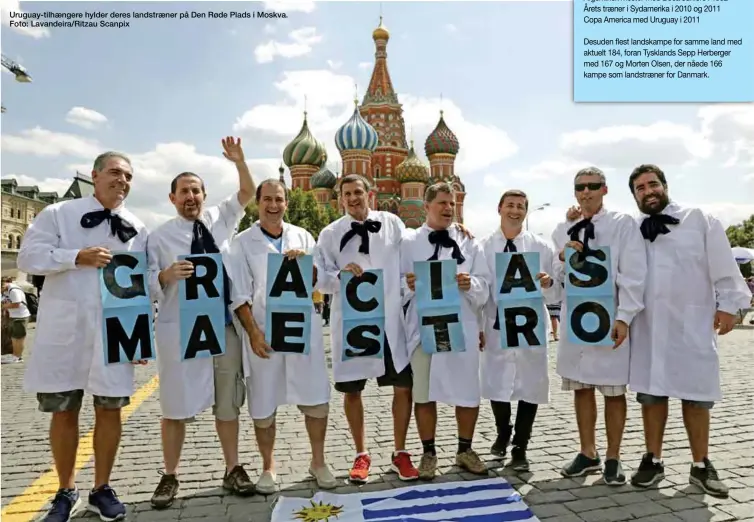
column 356, row 93
column 304, row 106
column 441, row 111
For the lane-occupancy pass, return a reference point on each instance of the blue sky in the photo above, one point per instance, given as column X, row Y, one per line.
column 167, row 91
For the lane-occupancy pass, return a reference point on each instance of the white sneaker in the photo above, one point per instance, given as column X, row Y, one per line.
column 9, row 358
column 324, row 477
column 267, row 483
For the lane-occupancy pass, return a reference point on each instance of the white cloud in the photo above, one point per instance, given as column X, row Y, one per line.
column 284, row 6
column 365, row 65
column 13, row 6
column 86, row 118
column 619, row 146
column 731, row 129
column 269, row 29
column 42, row 142
column 334, row 65
column 302, row 42
column 329, row 104
column 153, row 169
column 559, row 168
column 451, row 28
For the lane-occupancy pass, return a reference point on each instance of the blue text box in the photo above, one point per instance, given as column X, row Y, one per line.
column 291, row 280
column 202, row 308
column 123, row 282
column 362, row 297
column 288, row 328
column 663, row 51
column 590, row 320
column 514, row 314
column 590, row 274
column 436, row 284
column 127, row 334
column 363, row 338
column 443, row 338
column 522, row 282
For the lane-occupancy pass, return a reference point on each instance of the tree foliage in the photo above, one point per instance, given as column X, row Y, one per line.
column 303, row 211
column 742, row 235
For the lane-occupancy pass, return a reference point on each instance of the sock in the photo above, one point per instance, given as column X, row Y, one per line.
column 429, row 447
column 655, row 460
column 699, row 465
column 463, row 445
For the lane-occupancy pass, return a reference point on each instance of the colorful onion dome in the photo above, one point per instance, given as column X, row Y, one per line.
column 441, row 140
column 412, row 169
column 381, row 33
column 305, row 149
column 323, row 178
column 356, row 133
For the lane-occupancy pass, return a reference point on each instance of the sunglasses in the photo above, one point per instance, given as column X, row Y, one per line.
column 591, row 186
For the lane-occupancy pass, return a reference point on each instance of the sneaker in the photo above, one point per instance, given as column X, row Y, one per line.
column 613, row 474
column 104, row 502
column 519, row 462
column 581, row 465
column 649, row 472
column 63, row 506
column 238, row 482
column 360, row 471
column 267, row 483
column 166, row 491
column 324, row 477
column 428, row 466
column 403, row 466
column 707, row 479
column 470, row 461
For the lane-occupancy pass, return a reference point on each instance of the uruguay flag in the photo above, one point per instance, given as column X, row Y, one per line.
column 491, row 500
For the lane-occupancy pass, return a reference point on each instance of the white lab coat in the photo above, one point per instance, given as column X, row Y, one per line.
column 186, row 387
column 384, row 253
column 283, row 378
column 603, row 365
column 515, row 374
column 674, row 345
column 453, row 376
column 67, row 353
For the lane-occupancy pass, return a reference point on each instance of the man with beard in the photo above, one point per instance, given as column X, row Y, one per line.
column 361, row 240
column 68, row 243
column 189, row 387
column 674, row 339
column 451, row 378
column 515, row 374
column 586, row 367
column 278, row 378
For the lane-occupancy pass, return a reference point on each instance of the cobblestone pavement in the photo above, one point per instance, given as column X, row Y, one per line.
column 27, row 482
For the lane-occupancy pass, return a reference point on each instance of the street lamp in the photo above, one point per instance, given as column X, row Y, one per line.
column 541, row 207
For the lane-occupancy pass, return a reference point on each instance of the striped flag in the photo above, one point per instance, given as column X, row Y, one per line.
column 490, row 500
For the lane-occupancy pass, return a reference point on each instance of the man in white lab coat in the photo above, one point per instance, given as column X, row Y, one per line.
column 515, row 374
column 68, row 242
column 586, row 367
column 278, row 378
column 674, row 339
column 189, row 387
column 361, row 240
column 450, row 378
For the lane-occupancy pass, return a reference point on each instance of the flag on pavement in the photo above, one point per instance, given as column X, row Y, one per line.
column 490, row 500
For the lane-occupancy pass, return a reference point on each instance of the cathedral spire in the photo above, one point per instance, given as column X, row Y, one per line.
column 380, row 90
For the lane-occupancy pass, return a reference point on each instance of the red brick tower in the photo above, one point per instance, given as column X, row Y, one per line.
column 381, row 109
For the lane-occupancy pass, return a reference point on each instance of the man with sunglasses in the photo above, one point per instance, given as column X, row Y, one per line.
column 586, row 367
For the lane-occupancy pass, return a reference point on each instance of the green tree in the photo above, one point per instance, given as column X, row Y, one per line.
column 742, row 235
column 303, row 211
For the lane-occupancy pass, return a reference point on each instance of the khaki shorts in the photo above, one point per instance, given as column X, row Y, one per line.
column 230, row 388
column 320, row 411
column 420, row 365
column 607, row 390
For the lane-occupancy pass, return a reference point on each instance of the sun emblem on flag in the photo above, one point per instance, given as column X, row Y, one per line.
column 318, row 512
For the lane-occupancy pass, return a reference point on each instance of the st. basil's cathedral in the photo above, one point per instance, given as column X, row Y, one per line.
column 373, row 143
